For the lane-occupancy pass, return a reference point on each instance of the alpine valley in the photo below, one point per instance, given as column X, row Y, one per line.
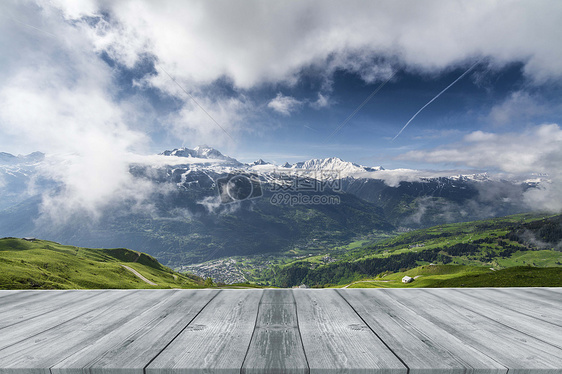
column 202, row 205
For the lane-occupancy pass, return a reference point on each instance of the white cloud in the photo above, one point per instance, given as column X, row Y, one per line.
column 536, row 150
column 513, row 153
column 255, row 42
column 57, row 95
column 519, row 106
column 322, row 102
column 284, row 105
column 393, row 177
column 193, row 125
column 480, row 136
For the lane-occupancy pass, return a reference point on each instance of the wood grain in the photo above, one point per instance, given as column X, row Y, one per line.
column 42, row 305
column 521, row 302
column 515, row 319
column 276, row 346
column 509, row 347
column 133, row 345
column 335, row 339
column 282, row 331
column 91, row 321
column 420, row 344
column 216, row 340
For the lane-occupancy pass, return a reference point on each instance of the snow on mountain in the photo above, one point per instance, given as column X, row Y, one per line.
column 202, row 151
column 331, row 168
column 259, row 162
column 333, row 165
column 10, row 159
column 6, row 158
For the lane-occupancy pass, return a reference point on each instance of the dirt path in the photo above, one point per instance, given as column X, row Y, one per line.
column 139, row 275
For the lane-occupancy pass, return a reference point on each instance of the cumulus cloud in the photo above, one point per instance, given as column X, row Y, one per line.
column 323, row 101
column 530, row 151
column 57, row 96
column 284, row 105
column 519, row 106
column 536, row 150
column 199, row 126
column 254, row 42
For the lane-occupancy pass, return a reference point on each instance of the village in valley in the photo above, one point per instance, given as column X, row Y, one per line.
column 232, row 270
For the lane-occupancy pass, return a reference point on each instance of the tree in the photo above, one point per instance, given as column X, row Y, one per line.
column 209, row 282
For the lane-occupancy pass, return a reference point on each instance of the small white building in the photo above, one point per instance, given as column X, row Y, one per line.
column 407, row 279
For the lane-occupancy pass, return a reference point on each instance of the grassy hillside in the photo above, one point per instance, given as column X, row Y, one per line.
column 467, row 276
column 511, row 242
column 41, row 264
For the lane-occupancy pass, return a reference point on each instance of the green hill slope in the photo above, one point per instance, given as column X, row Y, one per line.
column 515, row 242
column 40, row 264
column 436, row 276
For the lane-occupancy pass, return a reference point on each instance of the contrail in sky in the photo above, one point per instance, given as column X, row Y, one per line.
column 359, row 107
column 432, row 100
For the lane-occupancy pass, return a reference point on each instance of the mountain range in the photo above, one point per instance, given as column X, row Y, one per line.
column 305, row 206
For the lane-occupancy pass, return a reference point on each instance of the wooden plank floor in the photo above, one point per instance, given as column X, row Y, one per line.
column 515, row 330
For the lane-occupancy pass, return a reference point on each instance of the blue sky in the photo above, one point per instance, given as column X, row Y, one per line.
column 93, row 77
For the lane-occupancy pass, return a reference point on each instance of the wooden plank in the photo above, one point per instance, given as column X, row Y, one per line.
column 6, row 294
column 421, row 345
column 131, row 346
column 541, row 330
column 41, row 304
column 276, row 346
column 19, row 330
column 484, row 307
column 505, row 307
column 335, row 338
column 15, row 298
column 216, row 340
column 9, row 292
column 518, row 352
column 550, row 295
column 41, row 351
column 525, row 303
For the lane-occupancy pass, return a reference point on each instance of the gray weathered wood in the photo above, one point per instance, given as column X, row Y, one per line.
column 39, row 305
column 420, row 344
column 41, row 351
column 20, row 329
column 494, row 309
column 511, row 348
column 132, row 346
column 280, row 331
column 9, row 296
column 335, row 339
column 276, row 346
column 549, row 295
column 17, row 299
column 8, row 293
column 521, row 302
column 216, row 340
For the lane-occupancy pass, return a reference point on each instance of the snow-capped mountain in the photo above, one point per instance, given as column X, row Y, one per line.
column 205, row 152
column 345, row 168
column 330, row 168
column 16, row 172
column 259, row 162
column 185, row 218
column 325, row 168
column 10, row 159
